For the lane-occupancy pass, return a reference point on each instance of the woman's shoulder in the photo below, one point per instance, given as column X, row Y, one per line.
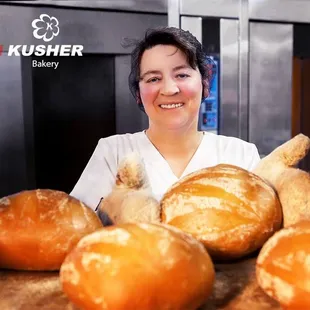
column 228, row 141
column 233, row 150
column 121, row 138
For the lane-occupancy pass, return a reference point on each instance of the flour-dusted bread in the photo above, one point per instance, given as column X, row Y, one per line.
column 138, row 266
column 38, row 228
column 293, row 188
column 232, row 211
column 288, row 154
column 131, row 199
column 283, row 267
column 291, row 184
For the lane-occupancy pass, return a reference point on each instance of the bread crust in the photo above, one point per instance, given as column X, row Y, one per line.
column 283, row 266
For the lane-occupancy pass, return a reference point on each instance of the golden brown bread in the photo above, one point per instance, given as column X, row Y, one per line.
column 38, row 228
column 138, row 266
column 283, row 267
column 232, row 211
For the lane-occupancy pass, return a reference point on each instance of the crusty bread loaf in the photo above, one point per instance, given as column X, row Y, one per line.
column 232, row 211
column 38, row 228
column 138, row 266
column 283, row 267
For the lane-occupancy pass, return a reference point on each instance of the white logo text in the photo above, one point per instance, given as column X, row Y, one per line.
column 42, row 50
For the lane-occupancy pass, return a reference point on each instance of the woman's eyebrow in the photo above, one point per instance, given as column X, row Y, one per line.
column 149, row 72
column 181, row 67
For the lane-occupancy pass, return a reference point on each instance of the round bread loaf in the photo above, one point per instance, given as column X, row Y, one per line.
column 138, row 266
column 38, row 228
column 232, row 211
column 283, row 267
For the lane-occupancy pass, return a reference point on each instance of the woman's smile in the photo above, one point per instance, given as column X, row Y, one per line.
column 170, row 106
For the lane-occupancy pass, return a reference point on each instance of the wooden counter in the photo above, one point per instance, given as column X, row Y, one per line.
column 235, row 288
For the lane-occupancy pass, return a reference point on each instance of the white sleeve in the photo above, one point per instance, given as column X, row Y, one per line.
column 98, row 177
column 254, row 158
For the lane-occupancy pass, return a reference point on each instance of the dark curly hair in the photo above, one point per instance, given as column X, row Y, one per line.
column 180, row 38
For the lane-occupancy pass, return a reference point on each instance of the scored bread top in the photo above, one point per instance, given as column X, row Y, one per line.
column 224, row 187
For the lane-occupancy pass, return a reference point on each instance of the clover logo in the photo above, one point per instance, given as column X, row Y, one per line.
column 45, row 27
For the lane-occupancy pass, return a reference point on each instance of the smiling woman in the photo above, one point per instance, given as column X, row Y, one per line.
column 169, row 79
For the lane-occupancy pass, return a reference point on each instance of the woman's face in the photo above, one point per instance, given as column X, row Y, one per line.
column 170, row 90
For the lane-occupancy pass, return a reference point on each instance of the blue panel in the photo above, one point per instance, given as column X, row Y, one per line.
column 209, row 114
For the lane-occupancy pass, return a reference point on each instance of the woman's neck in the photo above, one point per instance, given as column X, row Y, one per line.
column 175, row 142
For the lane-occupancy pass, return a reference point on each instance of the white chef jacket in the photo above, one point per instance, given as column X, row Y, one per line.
column 98, row 177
